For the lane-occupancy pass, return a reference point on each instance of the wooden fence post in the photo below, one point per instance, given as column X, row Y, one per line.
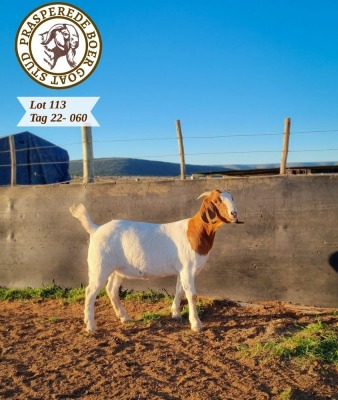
column 13, row 159
column 88, row 159
column 286, row 137
column 180, row 147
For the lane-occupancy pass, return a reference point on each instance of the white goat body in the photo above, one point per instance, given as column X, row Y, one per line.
column 125, row 249
column 144, row 250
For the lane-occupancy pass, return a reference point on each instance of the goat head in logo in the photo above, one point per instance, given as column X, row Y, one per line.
column 61, row 40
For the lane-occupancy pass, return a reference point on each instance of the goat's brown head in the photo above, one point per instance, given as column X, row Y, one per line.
column 218, row 207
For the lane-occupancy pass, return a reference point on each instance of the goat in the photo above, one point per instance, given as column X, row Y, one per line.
column 125, row 249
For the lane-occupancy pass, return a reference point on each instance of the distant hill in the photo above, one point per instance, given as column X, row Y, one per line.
column 136, row 167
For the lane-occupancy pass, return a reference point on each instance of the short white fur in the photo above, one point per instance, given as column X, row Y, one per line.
column 228, row 201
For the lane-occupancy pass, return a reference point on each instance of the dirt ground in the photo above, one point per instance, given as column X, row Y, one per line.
column 46, row 354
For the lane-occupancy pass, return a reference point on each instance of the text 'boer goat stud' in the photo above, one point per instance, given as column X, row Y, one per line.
column 125, row 249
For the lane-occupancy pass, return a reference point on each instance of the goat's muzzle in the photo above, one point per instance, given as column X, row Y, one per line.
column 234, row 216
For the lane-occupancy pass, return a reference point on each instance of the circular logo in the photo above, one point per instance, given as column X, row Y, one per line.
column 58, row 45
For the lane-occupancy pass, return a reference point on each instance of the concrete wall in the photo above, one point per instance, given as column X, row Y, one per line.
column 286, row 250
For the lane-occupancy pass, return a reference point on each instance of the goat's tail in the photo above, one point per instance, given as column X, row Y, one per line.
column 79, row 211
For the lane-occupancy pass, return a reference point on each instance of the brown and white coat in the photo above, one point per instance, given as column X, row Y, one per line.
column 125, row 249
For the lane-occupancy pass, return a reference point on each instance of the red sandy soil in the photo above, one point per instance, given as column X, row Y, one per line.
column 46, row 354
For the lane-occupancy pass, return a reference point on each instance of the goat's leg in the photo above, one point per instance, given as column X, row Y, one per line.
column 175, row 308
column 112, row 289
column 96, row 283
column 188, row 284
column 91, row 292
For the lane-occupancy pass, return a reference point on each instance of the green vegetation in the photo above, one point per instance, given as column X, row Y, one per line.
column 317, row 341
column 78, row 294
column 151, row 316
column 51, row 320
column 150, row 295
column 285, row 394
column 44, row 293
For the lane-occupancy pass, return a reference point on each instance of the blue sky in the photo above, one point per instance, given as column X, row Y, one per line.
column 234, row 69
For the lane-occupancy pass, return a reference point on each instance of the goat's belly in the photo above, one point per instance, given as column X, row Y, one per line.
column 140, row 273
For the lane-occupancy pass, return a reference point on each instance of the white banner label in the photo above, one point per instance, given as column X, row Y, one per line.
column 58, row 111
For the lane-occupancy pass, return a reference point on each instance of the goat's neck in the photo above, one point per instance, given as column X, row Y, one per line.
column 201, row 235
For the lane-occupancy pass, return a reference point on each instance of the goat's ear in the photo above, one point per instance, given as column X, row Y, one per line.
column 209, row 212
column 212, row 211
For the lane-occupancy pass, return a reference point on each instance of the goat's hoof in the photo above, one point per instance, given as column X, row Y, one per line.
column 177, row 316
column 197, row 328
column 91, row 331
column 126, row 319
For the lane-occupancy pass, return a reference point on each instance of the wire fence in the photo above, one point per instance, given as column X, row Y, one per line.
column 10, row 159
column 162, row 139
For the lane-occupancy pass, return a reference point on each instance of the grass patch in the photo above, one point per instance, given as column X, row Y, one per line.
column 285, row 394
column 51, row 292
column 46, row 292
column 151, row 296
column 52, row 320
column 78, row 294
column 316, row 341
column 151, row 316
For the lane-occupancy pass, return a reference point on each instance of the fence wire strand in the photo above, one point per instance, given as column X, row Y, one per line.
column 209, row 137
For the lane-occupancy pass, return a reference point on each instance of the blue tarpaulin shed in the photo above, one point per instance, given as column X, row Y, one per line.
column 38, row 161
